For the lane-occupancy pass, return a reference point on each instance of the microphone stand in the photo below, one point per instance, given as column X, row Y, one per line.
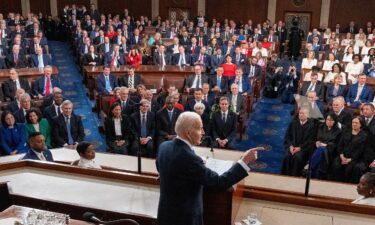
column 139, row 156
column 308, row 176
column 211, row 144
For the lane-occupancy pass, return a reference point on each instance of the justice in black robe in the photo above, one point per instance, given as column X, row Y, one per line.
column 298, row 135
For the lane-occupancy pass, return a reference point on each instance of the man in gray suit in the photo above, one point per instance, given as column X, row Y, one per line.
column 196, row 80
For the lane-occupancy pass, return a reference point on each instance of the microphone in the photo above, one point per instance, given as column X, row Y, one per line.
column 211, row 142
column 91, row 217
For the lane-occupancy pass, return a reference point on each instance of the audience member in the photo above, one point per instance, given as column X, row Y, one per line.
column 86, row 152
column 37, row 148
column 12, row 135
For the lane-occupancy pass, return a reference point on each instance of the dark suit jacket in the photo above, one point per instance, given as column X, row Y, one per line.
column 100, row 82
column 224, row 130
column 225, row 49
column 176, row 59
column 39, row 84
column 205, row 58
column 240, row 102
column 32, row 50
column 2, row 64
column 19, row 116
column 11, row 139
column 150, row 124
column 216, row 62
column 184, row 42
column 329, row 92
column 366, row 94
column 50, row 112
column 246, row 86
column 167, row 58
column 129, row 107
column 189, row 50
column 101, row 48
column 110, row 134
column 13, row 106
column 10, row 88
column 319, row 89
column 133, row 42
column 242, row 59
column 108, row 59
column 59, row 132
column 123, row 81
column 223, row 83
column 182, row 177
column 257, row 71
column 190, row 80
column 191, row 103
column 163, row 125
column 31, row 155
column 35, row 61
column 87, row 58
column 22, row 61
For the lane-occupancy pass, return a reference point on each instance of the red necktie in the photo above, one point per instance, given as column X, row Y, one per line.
column 200, row 42
column 201, row 58
column 113, row 60
column 193, row 50
column 48, row 86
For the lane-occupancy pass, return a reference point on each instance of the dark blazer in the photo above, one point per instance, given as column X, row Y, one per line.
column 330, row 89
column 176, row 59
column 223, row 83
column 190, row 106
column 11, row 139
column 182, row 177
column 366, row 95
column 22, row 61
column 190, row 80
column 150, row 124
column 87, row 59
column 240, row 102
column 124, row 48
column 35, row 61
column 225, row 49
column 257, row 71
column 246, row 86
column 345, row 118
column 110, row 134
column 59, row 132
column 32, row 50
column 319, row 89
column 129, row 107
column 167, row 58
column 205, row 58
column 31, row 155
column 224, row 130
column 100, row 82
column 163, row 125
column 2, row 64
column 101, row 48
column 133, row 42
column 242, row 59
column 10, row 88
column 123, row 81
column 108, row 59
column 184, row 42
column 19, row 116
column 39, row 84
column 216, row 61
column 189, row 50
column 13, row 106
column 50, row 112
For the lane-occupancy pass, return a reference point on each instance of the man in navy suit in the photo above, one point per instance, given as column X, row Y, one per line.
column 181, row 58
column 25, row 105
column 243, row 82
column 38, row 149
column 193, row 49
column 14, row 82
column 135, row 39
column 198, row 98
column 228, row 49
column 203, row 59
column 40, row 60
column 114, row 57
column 359, row 93
column 15, row 59
column 195, row 80
column 216, row 60
column 218, row 83
column 54, row 109
column 160, row 57
column 238, row 58
column 106, row 82
column 173, row 48
column 2, row 63
column 183, row 174
column 131, row 80
column 45, row 84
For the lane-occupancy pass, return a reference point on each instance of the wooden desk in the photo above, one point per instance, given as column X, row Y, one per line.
column 152, row 75
column 30, row 73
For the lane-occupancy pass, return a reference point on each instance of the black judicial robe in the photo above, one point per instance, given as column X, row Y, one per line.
column 298, row 135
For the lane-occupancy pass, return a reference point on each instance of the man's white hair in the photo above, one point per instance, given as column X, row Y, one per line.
column 186, row 122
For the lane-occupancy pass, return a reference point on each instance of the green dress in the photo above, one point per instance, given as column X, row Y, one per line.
column 44, row 129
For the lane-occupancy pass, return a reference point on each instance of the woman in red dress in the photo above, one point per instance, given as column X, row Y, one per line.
column 111, row 33
column 134, row 58
column 229, row 68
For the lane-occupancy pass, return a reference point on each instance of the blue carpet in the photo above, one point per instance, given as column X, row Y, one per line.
column 266, row 127
column 74, row 90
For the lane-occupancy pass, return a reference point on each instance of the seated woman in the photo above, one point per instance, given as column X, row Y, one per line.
column 348, row 40
column 309, row 61
column 336, row 71
column 199, row 108
column 86, row 152
column 354, row 69
column 134, row 58
column 117, row 130
column 366, row 188
column 335, row 89
column 35, row 123
column 326, row 143
column 348, row 55
column 91, row 58
column 12, row 135
column 368, row 45
column 329, row 62
column 350, row 151
column 369, row 58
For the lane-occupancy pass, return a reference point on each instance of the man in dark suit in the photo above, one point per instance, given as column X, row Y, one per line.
column 224, row 126
column 106, row 82
column 2, row 63
column 127, row 105
column 135, row 39
column 165, row 121
column 359, row 93
column 313, row 85
column 130, row 80
column 198, row 98
column 44, row 85
column 236, row 100
column 243, row 82
column 202, row 59
column 193, row 49
column 40, row 60
column 105, row 47
column 173, row 48
column 196, row 80
column 351, row 28
column 143, row 123
column 208, row 95
column 238, row 58
column 160, row 57
column 344, row 116
column 216, row 60
column 115, row 57
column 183, row 174
column 67, row 128
column 25, row 104
column 14, row 82
column 15, row 59
column 218, row 83
column 181, row 58
column 54, row 109
column 100, row 38
column 185, row 40
column 253, row 69
column 228, row 49
column 34, row 45
column 38, row 150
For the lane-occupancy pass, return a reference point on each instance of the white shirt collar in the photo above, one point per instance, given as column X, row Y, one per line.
column 186, row 141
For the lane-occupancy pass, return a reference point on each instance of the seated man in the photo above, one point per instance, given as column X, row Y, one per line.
column 15, row 59
column 38, row 149
column 181, row 58
column 218, row 83
column 67, row 128
column 243, row 83
column 313, row 85
column 344, row 116
column 197, row 99
column 224, row 126
column 299, row 142
column 143, row 122
column 115, row 57
column 127, row 105
column 207, row 95
column 165, row 121
column 359, row 93
column 54, row 110
column 106, row 82
column 196, row 80
column 15, row 105
column 161, row 57
column 131, row 80
column 43, row 86
column 14, row 82
column 40, row 60
column 25, row 104
column 203, row 59
column 237, row 101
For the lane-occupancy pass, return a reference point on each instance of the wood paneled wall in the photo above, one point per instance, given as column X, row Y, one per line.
column 61, row 4
column 310, row 6
column 7, row 6
column 343, row 11
column 237, row 10
column 42, row 6
column 136, row 7
column 164, row 6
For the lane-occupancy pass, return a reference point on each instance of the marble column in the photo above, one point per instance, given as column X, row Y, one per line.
column 202, row 6
column 53, row 4
column 95, row 2
column 154, row 9
column 25, row 5
column 271, row 13
column 324, row 13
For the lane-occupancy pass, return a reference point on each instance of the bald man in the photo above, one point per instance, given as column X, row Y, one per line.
column 183, row 174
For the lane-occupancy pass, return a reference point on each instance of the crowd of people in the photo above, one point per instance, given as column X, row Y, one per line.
column 228, row 60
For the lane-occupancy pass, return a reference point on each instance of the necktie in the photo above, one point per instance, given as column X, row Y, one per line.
column 238, row 59
column 131, row 83
column 193, row 50
column 107, row 84
column 70, row 138
column 310, row 88
column 367, row 121
column 40, row 60
column 201, row 58
column 48, row 87
column 162, row 60
column 205, row 97
column 101, row 40
column 170, row 115
column 198, row 82
column 252, row 70
column 41, row 157
column 16, row 58
column 123, row 105
column 219, row 83
column 200, row 42
column 143, row 125
column 224, row 117
column 114, row 61
column 58, row 112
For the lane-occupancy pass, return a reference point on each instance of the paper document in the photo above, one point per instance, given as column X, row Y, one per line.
column 218, row 165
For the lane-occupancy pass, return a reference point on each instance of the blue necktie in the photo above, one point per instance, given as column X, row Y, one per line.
column 219, row 83
column 143, row 125
column 107, row 84
column 70, row 138
column 170, row 113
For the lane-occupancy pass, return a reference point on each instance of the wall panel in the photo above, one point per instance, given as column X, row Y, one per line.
column 7, row 6
column 136, row 7
column 42, row 6
column 164, row 6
